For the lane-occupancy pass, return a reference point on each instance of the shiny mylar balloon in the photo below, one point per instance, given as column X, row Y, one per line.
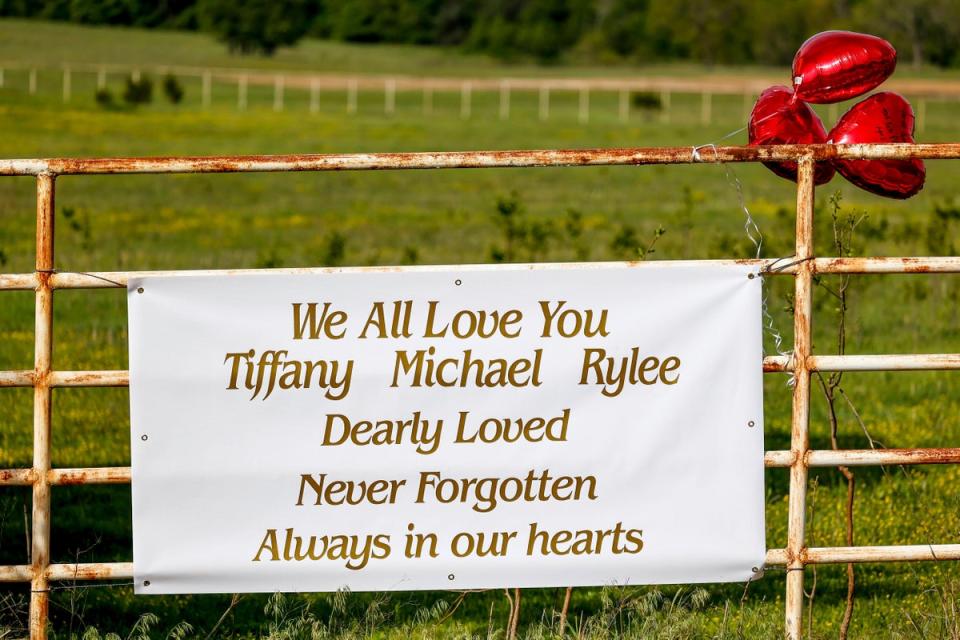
column 834, row 66
column 883, row 117
column 778, row 119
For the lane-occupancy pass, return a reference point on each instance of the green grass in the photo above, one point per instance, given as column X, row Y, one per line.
column 51, row 43
column 225, row 221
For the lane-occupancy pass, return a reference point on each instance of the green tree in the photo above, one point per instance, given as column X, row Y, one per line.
column 923, row 31
column 552, row 26
column 102, row 11
column 776, row 35
column 540, row 28
column 453, row 20
column 382, row 21
column 625, row 27
column 703, row 30
column 494, row 34
column 256, row 26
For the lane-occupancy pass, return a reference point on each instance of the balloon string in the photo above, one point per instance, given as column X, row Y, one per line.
column 696, row 149
column 751, row 228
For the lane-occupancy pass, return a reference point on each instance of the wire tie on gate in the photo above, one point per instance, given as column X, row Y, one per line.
column 791, row 366
column 768, row 569
column 94, row 585
column 695, row 152
column 81, row 273
column 771, row 269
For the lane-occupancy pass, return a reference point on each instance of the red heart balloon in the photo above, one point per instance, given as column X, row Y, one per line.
column 779, row 119
column 883, row 117
column 834, row 66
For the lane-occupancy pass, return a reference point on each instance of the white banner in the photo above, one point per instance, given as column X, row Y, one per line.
column 447, row 428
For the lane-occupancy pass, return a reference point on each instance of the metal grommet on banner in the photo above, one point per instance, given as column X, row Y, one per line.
column 146, row 583
column 144, row 437
column 458, row 282
column 139, row 289
column 751, row 424
column 451, row 577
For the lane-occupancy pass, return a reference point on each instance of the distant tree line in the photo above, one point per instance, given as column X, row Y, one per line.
column 705, row 31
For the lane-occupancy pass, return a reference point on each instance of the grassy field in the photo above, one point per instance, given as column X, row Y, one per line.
column 51, row 43
column 183, row 222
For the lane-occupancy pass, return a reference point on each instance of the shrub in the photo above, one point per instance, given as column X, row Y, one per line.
column 138, row 91
column 625, row 242
column 172, row 89
column 104, row 98
column 646, row 100
column 411, row 255
column 257, row 26
column 335, row 249
column 509, row 217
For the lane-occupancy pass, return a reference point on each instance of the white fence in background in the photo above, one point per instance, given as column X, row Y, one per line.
column 312, row 85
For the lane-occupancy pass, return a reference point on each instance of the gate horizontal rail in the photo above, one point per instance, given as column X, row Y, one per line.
column 477, row 159
column 771, row 364
column 769, row 267
column 801, row 363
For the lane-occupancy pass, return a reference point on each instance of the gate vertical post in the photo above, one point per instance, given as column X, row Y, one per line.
column 43, row 351
column 799, row 432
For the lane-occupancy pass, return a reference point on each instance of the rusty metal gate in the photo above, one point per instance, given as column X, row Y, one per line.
column 802, row 362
